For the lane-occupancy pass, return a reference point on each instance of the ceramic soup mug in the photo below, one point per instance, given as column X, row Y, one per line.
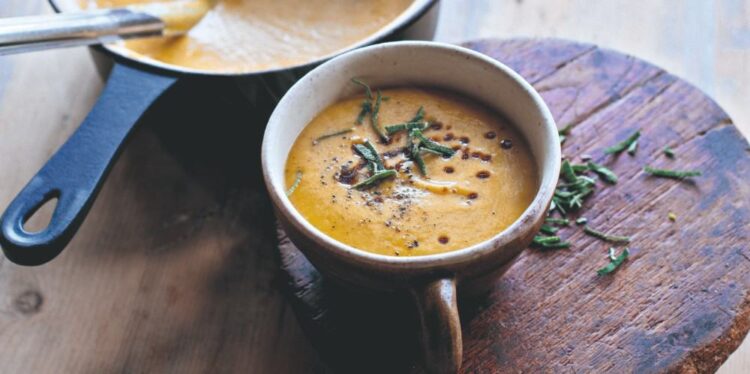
column 433, row 280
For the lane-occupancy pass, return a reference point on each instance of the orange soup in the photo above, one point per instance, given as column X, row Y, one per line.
column 450, row 175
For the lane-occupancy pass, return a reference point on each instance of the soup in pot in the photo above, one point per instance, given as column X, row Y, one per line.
column 256, row 35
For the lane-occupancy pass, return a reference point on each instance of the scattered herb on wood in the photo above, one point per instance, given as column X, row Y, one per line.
column 331, row 135
column 614, row 261
column 675, row 174
column 297, row 180
column 549, row 230
column 623, row 145
column 672, row 217
column 581, row 221
column 563, row 133
column 557, row 221
column 669, row 152
column 607, row 174
column 549, row 242
column 632, row 148
column 606, row 237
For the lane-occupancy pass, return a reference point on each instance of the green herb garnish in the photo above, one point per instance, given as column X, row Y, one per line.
column 625, row 144
column 549, row 242
column 580, row 168
column 419, row 116
column 374, row 118
column 669, row 152
column 607, row 174
column 392, row 129
column 568, row 173
column 369, row 153
column 581, row 221
column 331, row 135
column 632, row 148
column 366, row 104
column 297, row 180
column 375, row 179
column 565, row 130
column 676, row 174
column 606, row 237
column 614, row 261
column 547, row 229
column 557, row 221
column 430, row 144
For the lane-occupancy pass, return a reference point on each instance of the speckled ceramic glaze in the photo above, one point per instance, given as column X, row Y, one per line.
column 432, row 279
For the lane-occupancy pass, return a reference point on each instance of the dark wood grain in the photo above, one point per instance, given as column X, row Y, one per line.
column 680, row 304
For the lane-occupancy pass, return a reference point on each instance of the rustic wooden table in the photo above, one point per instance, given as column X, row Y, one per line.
column 160, row 277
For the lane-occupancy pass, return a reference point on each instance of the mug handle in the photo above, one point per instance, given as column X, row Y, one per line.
column 75, row 172
column 440, row 326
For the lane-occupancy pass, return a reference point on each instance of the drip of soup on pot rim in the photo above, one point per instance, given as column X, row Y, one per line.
column 460, row 198
column 255, row 35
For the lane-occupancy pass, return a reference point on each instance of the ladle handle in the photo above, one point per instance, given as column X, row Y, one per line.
column 33, row 33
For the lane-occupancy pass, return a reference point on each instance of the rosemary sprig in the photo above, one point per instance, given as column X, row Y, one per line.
column 369, row 153
column 614, row 261
column 366, row 103
column 375, row 179
column 676, row 174
column 297, row 180
column 430, row 144
column 331, row 135
column 557, row 221
column 419, row 125
column 669, row 152
column 606, row 237
column 623, row 145
column 374, row 118
column 607, row 174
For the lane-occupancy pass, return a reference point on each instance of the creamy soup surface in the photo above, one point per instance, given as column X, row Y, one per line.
column 253, row 35
column 462, row 200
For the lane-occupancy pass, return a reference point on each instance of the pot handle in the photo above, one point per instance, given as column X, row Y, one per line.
column 440, row 326
column 75, row 172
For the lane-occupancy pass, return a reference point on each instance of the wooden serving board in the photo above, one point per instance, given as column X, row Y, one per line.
column 680, row 304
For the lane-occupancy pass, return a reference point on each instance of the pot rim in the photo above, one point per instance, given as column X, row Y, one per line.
column 416, row 10
column 450, row 259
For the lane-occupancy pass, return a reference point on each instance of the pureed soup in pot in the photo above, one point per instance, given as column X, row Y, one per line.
column 410, row 171
column 256, row 35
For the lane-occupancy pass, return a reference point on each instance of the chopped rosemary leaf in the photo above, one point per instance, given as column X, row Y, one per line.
column 580, row 168
column 431, row 144
column 375, row 179
column 331, row 135
column 623, row 145
column 672, row 217
column 562, row 139
column 614, row 262
column 568, row 173
column 374, row 118
column 557, row 221
column 368, row 91
column 607, row 238
column 297, row 180
column 676, row 174
column 607, row 174
column 366, row 104
column 369, row 153
column 419, row 125
column 669, row 152
column 565, row 130
column 542, row 240
column 420, row 163
column 547, row 229
column 632, row 148
column 581, row 221
column 419, row 116
column 558, row 245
